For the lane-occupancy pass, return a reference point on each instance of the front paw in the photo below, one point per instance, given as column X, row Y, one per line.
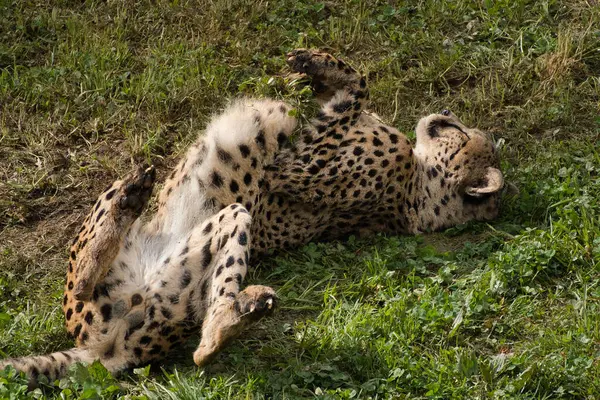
column 311, row 62
column 299, row 60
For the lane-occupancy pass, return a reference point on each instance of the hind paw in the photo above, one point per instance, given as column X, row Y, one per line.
column 255, row 302
column 231, row 320
column 137, row 190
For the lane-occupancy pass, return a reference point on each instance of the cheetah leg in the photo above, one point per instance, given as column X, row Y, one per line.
column 350, row 92
column 230, row 318
column 230, row 311
column 226, row 164
column 106, row 225
column 309, row 171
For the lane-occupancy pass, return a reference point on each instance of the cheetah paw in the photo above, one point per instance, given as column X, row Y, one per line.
column 310, row 62
column 255, row 302
column 250, row 305
column 137, row 190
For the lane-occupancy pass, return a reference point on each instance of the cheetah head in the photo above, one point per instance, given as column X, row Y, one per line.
column 461, row 171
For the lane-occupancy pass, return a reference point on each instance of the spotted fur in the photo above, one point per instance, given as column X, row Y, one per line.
column 134, row 290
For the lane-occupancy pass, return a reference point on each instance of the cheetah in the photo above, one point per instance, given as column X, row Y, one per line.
column 137, row 287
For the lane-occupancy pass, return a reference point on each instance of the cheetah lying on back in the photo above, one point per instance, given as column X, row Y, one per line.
column 135, row 289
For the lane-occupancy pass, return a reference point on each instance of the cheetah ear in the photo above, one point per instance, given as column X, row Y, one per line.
column 492, row 182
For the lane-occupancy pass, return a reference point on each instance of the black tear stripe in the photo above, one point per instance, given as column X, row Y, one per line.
column 434, row 125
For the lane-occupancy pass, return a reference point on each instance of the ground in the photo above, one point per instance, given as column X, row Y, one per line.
column 509, row 309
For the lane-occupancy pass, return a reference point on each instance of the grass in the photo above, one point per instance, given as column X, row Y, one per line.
column 509, row 309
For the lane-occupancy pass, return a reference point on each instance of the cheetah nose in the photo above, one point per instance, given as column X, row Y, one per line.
column 445, row 113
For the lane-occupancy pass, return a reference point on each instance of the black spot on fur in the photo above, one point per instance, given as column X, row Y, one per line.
column 101, row 290
column 313, row 169
column 165, row 330
column 100, row 214
column 106, row 311
column 174, row 339
column 216, row 179
column 243, row 239
column 166, row 313
column 110, row 194
column 186, row 278
column 206, row 254
column 184, row 251
column 244, row 150
column 224, row 156
column 144, row 340
column 77, row 330
column 342, row 106
column 281, row 139
column 110, row 353
column 155, row 350
column 260, row 139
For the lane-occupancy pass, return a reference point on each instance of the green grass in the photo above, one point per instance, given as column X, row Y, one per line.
column 509, row 309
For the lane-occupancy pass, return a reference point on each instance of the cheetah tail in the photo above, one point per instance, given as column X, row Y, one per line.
column 54, row 365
